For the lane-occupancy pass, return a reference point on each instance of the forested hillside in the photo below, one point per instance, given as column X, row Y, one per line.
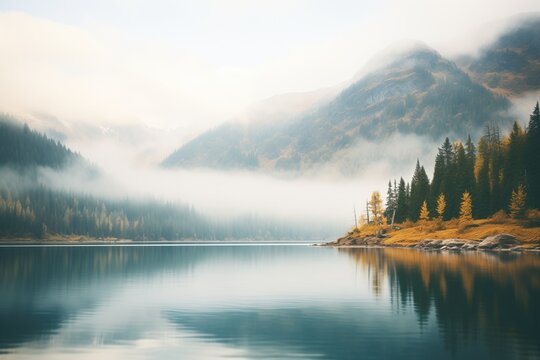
column 34, row 210
column 511, row 64
column 22, row 147
column 499, row 173
column 39, row 212
column 417, row 91
column 420, row 92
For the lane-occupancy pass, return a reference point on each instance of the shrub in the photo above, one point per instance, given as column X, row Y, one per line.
column 437, row 225
column 452, row 223
column 533, row 218
column 533, row 214
column 407, row 224
column 462, row 227
column 499, row 217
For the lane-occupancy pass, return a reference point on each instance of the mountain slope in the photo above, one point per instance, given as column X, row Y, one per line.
column 420, row 92
column 22, row 147
column 511, row 64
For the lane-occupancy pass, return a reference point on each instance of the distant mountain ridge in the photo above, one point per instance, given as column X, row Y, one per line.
column 510, row 65
column 418, row 92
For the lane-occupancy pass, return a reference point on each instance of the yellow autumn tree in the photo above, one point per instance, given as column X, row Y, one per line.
column 424, row 212
column 376, row 208
column 517, row 202
column 361, row 221
column 441, row 205
column 465, row 210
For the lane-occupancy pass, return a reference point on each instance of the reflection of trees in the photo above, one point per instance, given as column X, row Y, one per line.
column 473, row 294
column 28, row 276
column 39, row 267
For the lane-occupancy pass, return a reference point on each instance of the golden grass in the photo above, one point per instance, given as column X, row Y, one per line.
column 410, row 233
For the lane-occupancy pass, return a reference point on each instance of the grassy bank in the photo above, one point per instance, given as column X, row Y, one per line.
column 409, row 233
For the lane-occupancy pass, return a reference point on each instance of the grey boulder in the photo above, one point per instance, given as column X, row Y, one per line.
column 501, row 241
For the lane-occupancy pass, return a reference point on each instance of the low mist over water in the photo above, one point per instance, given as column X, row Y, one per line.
column 269, row 179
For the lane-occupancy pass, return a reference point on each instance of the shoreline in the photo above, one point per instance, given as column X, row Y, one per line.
column 496, row 243
column 91, row 241
column 493, row 234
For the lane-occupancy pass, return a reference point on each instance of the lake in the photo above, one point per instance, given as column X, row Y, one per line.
column 266, row 302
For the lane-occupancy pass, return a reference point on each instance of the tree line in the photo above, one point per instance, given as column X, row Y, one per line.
column 21, row 146
column 39, row 211
column 499, row 173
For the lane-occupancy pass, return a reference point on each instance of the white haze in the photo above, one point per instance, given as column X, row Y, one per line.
column 193, row 75
column 322, row 196
column 89, row 80
column 522, row 107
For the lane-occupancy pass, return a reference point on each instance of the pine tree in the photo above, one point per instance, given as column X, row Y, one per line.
column 470, row 151
column 438, row 178
column 424, row 212
column 531, row 158
column 419, row 191
column 401, row 206
column 517, row 202
column 460, row 170
column 391, row 201
column 465, row 210
column 494, row 160
column 441, row 206
column 514, row 172
column 448, row 183
column 481, row 170
column 447, row 152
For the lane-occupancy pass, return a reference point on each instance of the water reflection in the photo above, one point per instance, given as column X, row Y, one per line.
column 494, row 296
column 266, row 302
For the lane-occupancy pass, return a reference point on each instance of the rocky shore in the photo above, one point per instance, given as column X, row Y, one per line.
column 500, row 242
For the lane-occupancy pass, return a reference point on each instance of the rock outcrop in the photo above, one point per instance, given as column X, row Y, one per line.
column 500, row 241
column 494, row 243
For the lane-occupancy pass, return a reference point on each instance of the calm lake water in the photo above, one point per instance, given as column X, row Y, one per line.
column 263, row 302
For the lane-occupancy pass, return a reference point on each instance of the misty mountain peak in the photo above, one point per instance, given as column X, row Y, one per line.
column 408, row 88
column 403, row 54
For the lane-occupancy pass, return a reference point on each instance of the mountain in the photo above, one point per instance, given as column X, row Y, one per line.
column 418, row 92
column 511, row 64
column 22, row 147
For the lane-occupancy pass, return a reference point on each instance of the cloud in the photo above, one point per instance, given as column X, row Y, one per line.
column 195, row 65
column 522, row 107
column 82, row 77
column 321, row 196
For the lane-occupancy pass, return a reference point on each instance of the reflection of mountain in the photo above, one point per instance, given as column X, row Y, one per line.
column 388, row 303
column 487, row 295
column 29, row 276
column 337, row 332
column 474, row 297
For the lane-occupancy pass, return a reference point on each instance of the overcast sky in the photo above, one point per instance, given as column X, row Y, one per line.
column 194, row 64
